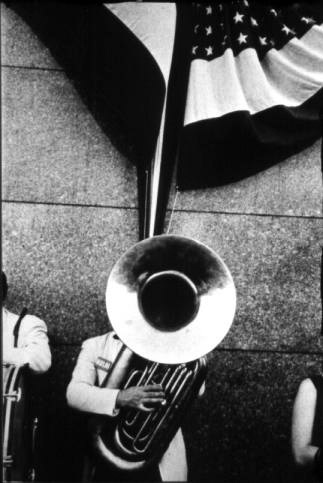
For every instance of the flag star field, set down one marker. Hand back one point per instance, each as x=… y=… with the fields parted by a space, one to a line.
x=239 y=25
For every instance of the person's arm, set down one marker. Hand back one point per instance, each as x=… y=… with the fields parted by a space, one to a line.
x=82 y=394
x=304 y=452
x=34 y=349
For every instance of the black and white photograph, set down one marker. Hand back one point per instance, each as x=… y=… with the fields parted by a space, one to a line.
x=162 y=241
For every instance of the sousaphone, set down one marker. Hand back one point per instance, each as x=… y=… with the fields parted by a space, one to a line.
x=171 y=300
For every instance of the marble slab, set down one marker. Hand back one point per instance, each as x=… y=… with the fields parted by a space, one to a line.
x=53 y=150
x=276 y=265
x=292 y=187
x=58 y=259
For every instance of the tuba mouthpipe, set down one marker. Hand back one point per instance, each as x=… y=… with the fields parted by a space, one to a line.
x=119 y=369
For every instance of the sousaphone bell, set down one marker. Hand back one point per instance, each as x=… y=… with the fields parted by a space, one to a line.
x=170 y=299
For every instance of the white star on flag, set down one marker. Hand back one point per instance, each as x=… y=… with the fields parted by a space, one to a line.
x=254 y=22
x=208 y=30
x=209 y=50
x=273 y=11
x=287 y=30
x=307 y=20
x=196 y=28
x=194 y=49
x=238 y=17
x=246 y=3
x=263 y=40
x=242 y=39
x=208 y=10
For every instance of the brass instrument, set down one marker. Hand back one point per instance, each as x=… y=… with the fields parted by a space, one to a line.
x=171 y=300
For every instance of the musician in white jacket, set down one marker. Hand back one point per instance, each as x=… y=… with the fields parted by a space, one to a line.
x=32 y=346
x=83 y=393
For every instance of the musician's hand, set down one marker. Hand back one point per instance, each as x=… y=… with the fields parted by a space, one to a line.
x=144 y=398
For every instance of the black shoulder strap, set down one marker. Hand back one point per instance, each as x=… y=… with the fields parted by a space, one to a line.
x=317 y=434
x=17 y=326
x=317 y=381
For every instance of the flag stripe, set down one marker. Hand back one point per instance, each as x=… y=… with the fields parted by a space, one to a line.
x=217 y=151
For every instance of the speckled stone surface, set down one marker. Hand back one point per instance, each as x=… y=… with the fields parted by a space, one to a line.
x=19 y=44
x=293 y=187
x=238 y=431
x=275 y=263
x=58 y=259
x=53 y=150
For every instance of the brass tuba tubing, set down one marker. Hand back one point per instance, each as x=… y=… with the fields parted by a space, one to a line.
x=179 y=377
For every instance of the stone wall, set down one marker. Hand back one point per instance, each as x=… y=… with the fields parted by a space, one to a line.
x=70 y=211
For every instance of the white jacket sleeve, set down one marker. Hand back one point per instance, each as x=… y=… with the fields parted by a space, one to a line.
x=82 y=394
x=33 y=348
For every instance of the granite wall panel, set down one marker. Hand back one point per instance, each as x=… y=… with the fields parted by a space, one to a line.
x=58 y=258
x=276 y=191
x=275 y=263
x=53 y=150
